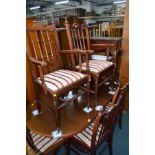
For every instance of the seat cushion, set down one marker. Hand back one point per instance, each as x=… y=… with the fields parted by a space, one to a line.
x=43 y=143
x=86 y=135
x=60 y=79
x=96 y=66
x=101 y=57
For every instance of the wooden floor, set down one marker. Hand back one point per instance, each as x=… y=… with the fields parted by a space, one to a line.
x=103 y=98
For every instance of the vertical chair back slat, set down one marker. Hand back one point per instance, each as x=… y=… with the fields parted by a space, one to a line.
x=32 y=42
x=79 y=36
x=76 y=38
x=83 y=41
x=74 y=44
x=50 y=48
x=39 y=45
x=44 y=44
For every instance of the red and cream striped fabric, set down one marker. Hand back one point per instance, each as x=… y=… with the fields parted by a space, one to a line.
x=43 y=143
x=86 y=135
x=59 y=79
x=96 y=66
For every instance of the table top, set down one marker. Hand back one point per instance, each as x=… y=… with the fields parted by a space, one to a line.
x=73 y=120
x=106 y=38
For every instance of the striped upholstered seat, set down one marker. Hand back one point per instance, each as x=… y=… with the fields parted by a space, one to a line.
x=43 y=143
x=96 y=66
x=86 y=135
x=60 y=79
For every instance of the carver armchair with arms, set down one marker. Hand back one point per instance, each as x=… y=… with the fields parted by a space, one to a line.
x=99 y=70
x=51 y=81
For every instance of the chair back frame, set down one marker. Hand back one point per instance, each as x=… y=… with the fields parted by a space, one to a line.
x=78 y=38
x=107 y=121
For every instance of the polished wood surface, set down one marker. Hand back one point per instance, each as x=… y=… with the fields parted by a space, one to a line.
x=73 y=118
x=116 y=41
x=106 y=40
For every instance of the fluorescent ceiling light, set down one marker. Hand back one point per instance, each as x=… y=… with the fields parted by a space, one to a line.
x=35 y=7
x=118 y=2
x=61 y=2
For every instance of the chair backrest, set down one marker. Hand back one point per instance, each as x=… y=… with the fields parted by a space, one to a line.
x=123 y=92
x=120 y=95
x=103 y=126
x=115 y=97
x=43 y=45
x=78 y=38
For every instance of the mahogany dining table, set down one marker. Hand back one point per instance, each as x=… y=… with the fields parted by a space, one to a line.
x=73 y=119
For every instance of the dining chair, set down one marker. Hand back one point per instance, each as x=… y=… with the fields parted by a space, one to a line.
x=100 y=71
x=43 y=145
x=51 y=80
x=121 y=93
x=98 y=132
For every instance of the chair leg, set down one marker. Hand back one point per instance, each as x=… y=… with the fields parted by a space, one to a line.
x=120 y=120
x=110 y=146
x=93 y=153
x=68 y=148
x=76 y=100
x=96 y=89
x=38 y=105
x=57 y=113
x=88 y=92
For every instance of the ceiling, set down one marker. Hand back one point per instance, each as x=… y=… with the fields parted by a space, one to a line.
x=46 y=5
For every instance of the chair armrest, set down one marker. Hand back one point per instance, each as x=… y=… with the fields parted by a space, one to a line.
x=37 y=62
x=78 y=51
